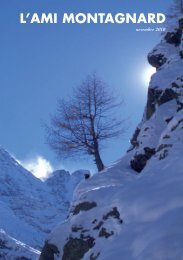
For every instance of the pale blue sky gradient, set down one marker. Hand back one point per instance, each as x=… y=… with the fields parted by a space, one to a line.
x=40 y=63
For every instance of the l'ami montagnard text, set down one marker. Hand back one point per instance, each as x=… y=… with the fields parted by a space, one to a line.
x=95 y=18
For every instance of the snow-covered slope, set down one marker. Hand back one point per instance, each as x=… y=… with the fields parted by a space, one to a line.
x=134 y=209
x=11 y=249
x=61 y=185
x=30 y=208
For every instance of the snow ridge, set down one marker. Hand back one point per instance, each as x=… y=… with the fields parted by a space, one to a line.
x=29 y=206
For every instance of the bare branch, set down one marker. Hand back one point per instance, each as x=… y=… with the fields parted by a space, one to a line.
x=81 y=124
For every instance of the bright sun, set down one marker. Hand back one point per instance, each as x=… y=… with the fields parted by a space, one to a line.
x=146 y=75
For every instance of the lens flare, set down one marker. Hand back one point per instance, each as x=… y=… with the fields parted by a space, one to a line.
x=146 y=75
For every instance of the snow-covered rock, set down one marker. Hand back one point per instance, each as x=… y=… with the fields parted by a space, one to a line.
x=121 y=214
x=29 y=207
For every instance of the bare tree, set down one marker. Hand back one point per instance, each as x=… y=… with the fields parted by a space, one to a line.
x=82 y=123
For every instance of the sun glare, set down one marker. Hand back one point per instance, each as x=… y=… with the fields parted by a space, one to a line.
x=146 y=75
x=39 y=166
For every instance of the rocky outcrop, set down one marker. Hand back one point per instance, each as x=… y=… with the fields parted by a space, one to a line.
x=134 y=140
x=104 y=233
x=139 y=161
x=174 y=37
x=156 y=59
x=48 y=252
x=158 y=97
x=83 y=206
x=167 y=95
x=80 y=241
x=76 y=248
x=181 y=24
x=163 y=149
x=152 y=99
x=161 y=54
x=114 y=213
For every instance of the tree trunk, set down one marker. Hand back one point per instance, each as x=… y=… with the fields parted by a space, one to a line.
x=98 y=161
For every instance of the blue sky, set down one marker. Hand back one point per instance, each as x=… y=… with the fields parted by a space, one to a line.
x=40 y=63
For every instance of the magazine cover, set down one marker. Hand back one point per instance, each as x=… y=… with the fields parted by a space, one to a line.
x=91 y=133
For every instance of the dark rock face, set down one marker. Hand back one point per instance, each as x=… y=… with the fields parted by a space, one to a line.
x=175 y=127
x=76 y=228
x=48 y=252
x=179 y=105
x=181 y=54
x=139 y=161
x=175 y=85
x=114 y=213
x=153 y=95
x=134 y=141
x=167 y=95
x=174 y=37
x=156 y=60
x=87 y=176
x=83 y=206
x=181 y=24
x=163 y=149
x=162 y=146
x=169 y=119
x=157 y=96
x=104 y=233
x=75 y=248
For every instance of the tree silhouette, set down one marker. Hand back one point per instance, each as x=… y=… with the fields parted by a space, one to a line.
x=85 y=121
